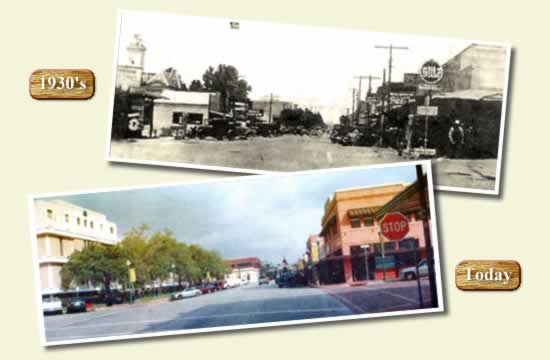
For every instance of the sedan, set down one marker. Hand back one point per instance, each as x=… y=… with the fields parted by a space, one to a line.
x=52 y=305
x=76 y=305
x=187 y=293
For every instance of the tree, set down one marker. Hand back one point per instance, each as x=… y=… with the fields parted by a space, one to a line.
x=185 y=268
x=196 y=85
x=159 y=255
x=96 y=264
x=301 y=117
x=225 y=80
x=134 y=246
x=208 y=262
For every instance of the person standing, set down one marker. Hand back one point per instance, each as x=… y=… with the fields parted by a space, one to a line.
x=456 y=139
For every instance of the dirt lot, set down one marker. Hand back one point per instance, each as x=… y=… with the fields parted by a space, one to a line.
x=292 y=153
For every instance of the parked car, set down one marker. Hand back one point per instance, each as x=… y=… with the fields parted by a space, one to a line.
x=291 y=280
x=113 y=299
x=52 y=305
x=264 y=281
x=76 y=305
x=184 y=294
x=409 y=273
x=206 y=288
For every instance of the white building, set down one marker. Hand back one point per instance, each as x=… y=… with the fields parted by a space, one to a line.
x=62 y=228
x=243 y=271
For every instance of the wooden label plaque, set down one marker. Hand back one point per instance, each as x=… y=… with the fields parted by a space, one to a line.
x=62 y=84
x=488 y=275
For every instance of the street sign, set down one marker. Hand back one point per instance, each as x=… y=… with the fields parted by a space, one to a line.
x=427 y=110
x=394 y=226
x=431 y=72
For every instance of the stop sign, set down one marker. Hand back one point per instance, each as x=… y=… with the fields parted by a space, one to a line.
x=394 y=226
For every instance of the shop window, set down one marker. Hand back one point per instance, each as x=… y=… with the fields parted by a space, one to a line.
x=369 y=221
x=388 y=246
x=355 y=222
x=408 y=243
x=49 y=212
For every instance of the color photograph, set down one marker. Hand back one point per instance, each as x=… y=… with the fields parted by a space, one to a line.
x=258 y=97
x=244 y=252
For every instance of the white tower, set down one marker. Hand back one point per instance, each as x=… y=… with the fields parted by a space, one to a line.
x=136 y=52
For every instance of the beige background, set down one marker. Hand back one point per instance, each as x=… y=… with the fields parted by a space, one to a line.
x=60 y=146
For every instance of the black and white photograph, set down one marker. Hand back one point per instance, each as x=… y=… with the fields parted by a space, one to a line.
x=319 y=246
x=257 y=97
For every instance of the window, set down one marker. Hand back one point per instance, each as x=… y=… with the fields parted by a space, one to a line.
x=408 y=243
x=78 y=221
x=85 y=223
x=369 y=221
x=49 y=212
x=66 y=218
x=91 y=224
x=112 y=230
x=84 y=213
x=355 y=222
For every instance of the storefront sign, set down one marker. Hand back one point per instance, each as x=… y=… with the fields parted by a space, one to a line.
x=427 y=110
x=431 y=72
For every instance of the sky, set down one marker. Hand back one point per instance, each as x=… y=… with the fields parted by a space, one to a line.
x=310 y=66
x=269 y=217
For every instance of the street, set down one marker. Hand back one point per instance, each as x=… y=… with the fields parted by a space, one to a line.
x=240 y=306
x=294 y=153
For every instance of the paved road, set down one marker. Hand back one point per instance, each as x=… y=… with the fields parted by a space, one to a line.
x=246 y=305
x=383 y=297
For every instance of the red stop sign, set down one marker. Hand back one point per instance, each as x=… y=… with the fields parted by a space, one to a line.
x=394 y=226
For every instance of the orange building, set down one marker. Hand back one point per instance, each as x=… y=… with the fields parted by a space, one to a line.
x=352 y=248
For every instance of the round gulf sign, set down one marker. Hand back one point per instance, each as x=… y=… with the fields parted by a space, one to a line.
x=431 y=72
x=394 y=226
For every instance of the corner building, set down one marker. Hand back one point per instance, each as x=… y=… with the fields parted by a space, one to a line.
x=61 y=229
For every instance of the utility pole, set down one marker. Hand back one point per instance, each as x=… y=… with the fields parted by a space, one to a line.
x=422 y=189
x=361 y=77
x=269 y=120
x=352 y=105
x=391 y=47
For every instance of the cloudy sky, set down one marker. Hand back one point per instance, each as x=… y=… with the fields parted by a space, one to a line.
x=269 y=217
x=311 y=66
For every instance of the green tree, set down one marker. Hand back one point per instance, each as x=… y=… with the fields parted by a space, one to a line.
x=96 y=264
x=159 y=255
x=134 y=245
x=208 y=262
x=185 y=268
x=225 y=80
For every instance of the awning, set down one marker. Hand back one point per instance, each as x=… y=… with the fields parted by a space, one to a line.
x=471 y=94
x=366 y=211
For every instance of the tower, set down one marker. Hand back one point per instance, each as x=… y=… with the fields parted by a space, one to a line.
x=136 y=52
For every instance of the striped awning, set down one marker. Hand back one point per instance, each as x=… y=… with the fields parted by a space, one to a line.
x=366 y=211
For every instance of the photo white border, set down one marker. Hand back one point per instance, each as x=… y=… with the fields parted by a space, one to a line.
x=109 y=158
x=435 y=244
